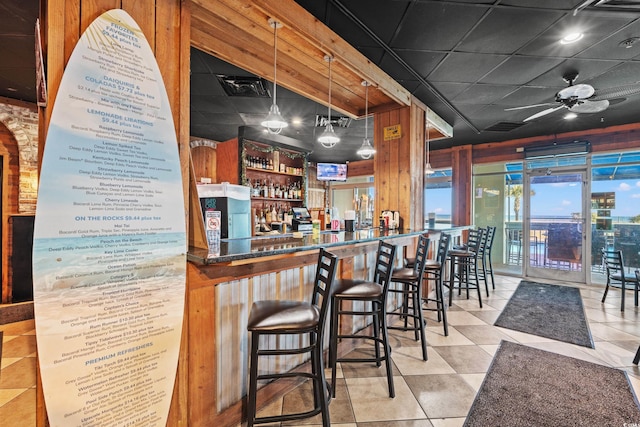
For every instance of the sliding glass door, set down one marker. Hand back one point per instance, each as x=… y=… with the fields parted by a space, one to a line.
x=554 y=229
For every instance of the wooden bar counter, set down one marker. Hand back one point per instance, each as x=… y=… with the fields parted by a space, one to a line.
x=221 y=289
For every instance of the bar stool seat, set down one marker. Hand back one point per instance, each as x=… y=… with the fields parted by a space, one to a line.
x=375 y=293
x=297 y=318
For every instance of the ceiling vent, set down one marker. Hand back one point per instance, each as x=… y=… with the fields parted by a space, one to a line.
x=505 y=126
x=556 y=150
x=248 y=87
x=336 y=121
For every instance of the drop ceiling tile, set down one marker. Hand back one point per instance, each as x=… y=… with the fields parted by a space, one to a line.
x=465 y=67
x=586 y=70
x=423 y=27
x=507 y=30
x=423 y=62
x=483 y=93
x=520 y=70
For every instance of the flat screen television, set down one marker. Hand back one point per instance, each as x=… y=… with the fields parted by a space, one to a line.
x=332 y=172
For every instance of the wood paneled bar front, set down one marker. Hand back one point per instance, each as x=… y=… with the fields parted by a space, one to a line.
x=222 y=288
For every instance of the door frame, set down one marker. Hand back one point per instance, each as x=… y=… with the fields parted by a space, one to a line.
x=534 y=272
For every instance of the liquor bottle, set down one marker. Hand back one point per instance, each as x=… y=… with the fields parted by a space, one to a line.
x=272 y=190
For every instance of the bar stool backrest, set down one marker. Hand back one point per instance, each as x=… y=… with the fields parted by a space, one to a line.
x=323 y=284
x=443 y=248
x=384 y=264
x=490 y=233
x=614 y=263
x=422 y=252
x=474 y=242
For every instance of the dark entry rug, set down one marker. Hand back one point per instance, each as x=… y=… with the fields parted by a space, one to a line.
x=549 y=311
x=529 y=387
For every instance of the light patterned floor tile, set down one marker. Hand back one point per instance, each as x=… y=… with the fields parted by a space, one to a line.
x=371 y=401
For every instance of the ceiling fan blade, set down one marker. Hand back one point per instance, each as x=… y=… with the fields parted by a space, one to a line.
x=543 y=113
x=616 y=92
x=588 y=106
x=529 y=106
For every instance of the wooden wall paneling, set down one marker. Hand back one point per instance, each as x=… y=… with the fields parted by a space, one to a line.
x=461 y=183
x=359 y=168
x=202 y=371
x=91 y=9
x=204 y=163
x=144 y=13
x=381 y=164
x=403 y=167
x=417 y=162
x=10 y=158
x=228 y=162
x=393 y=179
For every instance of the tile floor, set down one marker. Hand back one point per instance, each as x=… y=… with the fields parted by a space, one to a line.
x=436 y=393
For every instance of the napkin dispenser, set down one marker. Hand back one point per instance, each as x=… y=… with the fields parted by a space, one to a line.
x=390 y=220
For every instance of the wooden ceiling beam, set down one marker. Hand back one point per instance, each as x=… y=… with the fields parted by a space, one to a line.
x=237 y=31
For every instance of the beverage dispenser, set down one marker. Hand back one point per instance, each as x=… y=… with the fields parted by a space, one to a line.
x=234 y=204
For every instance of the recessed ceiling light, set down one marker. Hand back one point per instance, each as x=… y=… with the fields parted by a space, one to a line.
x=570 y=116
x=571 y=38
x=297 y=121
x=12 y=89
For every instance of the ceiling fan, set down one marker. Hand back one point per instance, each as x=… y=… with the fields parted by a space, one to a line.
x=581 y=98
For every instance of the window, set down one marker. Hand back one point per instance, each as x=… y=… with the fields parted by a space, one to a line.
x=437 y=196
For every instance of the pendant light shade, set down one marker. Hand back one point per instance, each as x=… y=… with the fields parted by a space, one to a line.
x=366 y=150
x=274 y=121
x=428 y=170
x=328 y=138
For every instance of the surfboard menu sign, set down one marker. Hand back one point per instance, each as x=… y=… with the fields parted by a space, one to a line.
x=109 y=250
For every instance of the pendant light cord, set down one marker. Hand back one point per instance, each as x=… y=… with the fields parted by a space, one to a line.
x=366 y=110
x=275 y=59
x=329 y=58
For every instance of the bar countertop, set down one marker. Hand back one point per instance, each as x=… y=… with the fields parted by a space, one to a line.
x=277 y=244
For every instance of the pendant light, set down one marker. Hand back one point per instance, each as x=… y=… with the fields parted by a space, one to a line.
x=366 y=149
x=428 y=170
x=328 y=138
x=274 y=121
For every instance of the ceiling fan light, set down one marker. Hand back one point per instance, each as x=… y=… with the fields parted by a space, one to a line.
x=366 y=150
x=274 y=121
x=328 y=138
x=570 y=116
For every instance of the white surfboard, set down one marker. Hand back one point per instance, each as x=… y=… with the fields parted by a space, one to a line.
x=109 y=257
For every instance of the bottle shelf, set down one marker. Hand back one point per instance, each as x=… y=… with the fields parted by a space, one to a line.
x=275 y=199
x=273 y=171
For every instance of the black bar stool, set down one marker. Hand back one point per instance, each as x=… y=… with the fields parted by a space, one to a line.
x=434 y=271
x=411 y=290
x=485 y=257
x=375 y=293
x=280 y=318
x=463 y=263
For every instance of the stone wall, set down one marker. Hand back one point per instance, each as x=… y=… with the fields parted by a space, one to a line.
x=22 y=120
